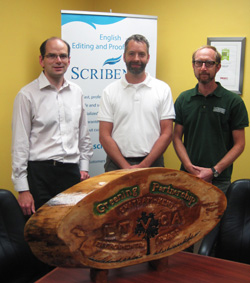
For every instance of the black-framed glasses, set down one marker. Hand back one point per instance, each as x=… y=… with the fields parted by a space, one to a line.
x=208 y=64
x=52 y=56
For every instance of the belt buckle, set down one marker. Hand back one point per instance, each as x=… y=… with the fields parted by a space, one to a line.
x=54 y=162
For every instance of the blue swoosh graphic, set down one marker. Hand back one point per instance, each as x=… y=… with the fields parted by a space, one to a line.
x=92 y=20
x=112 y=61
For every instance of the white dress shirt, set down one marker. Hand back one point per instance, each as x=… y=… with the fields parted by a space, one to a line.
x=48 y=124
x=136 y=111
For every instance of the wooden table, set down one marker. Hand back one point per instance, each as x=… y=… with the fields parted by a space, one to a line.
x=182 y=267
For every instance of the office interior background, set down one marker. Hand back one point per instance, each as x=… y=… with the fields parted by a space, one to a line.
x=183 y=26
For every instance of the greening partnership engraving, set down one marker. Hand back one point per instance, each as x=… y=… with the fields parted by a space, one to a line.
x=132 y=192
x=189 y=198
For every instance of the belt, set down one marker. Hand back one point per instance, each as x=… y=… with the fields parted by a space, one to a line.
x=53 y=162
x=135 y=159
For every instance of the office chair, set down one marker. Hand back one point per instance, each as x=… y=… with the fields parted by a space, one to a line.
x=230 y=239
x=17 y=263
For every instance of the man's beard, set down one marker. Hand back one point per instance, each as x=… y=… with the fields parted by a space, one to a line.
x=207 y=80
x=135 y=71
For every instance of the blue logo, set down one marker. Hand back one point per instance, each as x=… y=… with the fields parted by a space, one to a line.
x=112 y=61
x=94 y=74
x=97 y=146
x=92 y=20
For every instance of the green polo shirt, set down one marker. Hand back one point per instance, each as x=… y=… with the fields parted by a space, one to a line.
x=208 y=123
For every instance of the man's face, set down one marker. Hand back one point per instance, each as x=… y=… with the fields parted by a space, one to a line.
x=55 y=66
x=136 y=57
x=205 y=74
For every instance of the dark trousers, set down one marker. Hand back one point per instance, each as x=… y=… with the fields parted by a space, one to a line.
x=111 y=166
x=49 y=178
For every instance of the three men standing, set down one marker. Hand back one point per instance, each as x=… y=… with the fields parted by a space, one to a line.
x=51 y=146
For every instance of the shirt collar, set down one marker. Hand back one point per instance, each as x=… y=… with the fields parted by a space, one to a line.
x=44 y=82
x=217 y=92
x=147 y=82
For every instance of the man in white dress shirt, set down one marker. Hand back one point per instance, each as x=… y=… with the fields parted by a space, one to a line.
x=136 y=113
x=51 y=146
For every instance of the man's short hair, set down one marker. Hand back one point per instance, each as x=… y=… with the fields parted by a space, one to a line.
x=43 y=46
x=217 y=54
x=138 y=38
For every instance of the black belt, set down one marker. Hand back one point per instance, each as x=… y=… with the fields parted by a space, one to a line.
x=135 y=159
x=53 y=162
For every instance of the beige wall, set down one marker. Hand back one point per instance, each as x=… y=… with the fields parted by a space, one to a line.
x=183 y=26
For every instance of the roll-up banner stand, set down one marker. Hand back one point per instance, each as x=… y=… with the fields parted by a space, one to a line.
x=97 y=46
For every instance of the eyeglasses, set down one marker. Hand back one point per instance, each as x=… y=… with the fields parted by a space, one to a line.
x=52 y=56
x=208 y=64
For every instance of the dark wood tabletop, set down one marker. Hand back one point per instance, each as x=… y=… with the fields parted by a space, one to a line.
x=182 y=267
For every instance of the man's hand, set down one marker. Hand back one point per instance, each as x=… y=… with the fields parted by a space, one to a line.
x=136 y=166
x=84 y=175
x=205 y=174
x=26 y=202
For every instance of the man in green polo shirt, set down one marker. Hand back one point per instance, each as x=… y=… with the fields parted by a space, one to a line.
x=212 y=120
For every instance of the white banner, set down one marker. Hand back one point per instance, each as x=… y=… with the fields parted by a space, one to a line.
x=97 y=46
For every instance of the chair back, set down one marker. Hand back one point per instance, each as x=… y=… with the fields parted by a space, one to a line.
x=17 y=263
x=234 y=236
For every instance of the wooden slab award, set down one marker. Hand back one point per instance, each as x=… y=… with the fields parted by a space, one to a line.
x=124 y=217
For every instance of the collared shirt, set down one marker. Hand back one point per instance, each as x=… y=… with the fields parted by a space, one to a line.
x=136 y=111
x=48 y=124
x=208 y=123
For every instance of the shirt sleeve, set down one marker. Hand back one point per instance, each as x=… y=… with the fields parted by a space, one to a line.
x=168 y=111
x=178 y=112
x=105 y=110
x=239 y=119
x=21 y=127
x=85 y=144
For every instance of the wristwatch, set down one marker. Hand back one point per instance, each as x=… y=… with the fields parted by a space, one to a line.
x=215 y=172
